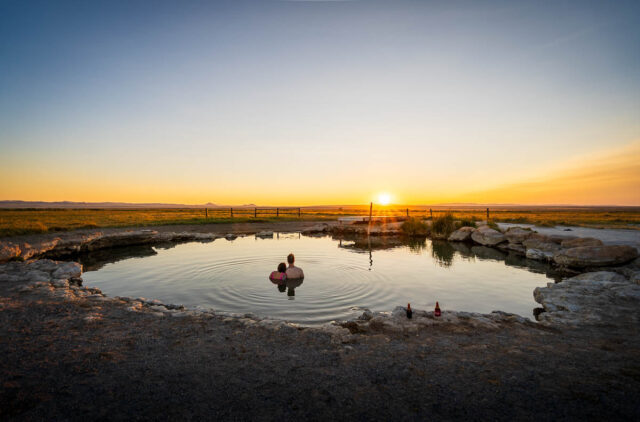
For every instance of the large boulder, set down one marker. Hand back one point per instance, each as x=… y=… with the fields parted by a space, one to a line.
x=539 y=255
x=581 y=241
x=534 y=240
x=318 y=228
x=540 y=247
x=601 y=297
x=595 y=256
x=559 y=238
x=462 y=234
x=517 y=234
x=515 y=247
x=487 y=236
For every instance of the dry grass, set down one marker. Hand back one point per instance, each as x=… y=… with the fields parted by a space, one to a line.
x=25 y=221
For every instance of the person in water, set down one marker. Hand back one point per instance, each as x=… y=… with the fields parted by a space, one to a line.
x=280 y=274
x=293 y=271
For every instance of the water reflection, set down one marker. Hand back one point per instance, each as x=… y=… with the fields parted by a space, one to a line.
x=445 y=253
x=485 y=252
x=417 y=245
x=288 y=286
x=95 y=260
x=442 y=252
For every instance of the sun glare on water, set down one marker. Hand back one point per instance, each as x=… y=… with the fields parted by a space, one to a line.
x=384 y=199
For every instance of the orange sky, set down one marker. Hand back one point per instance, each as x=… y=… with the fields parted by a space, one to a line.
x=600 y=178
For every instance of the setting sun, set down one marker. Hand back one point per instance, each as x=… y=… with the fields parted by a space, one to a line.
x=384 y=199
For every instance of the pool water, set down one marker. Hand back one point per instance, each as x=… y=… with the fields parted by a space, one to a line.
x=341 y=277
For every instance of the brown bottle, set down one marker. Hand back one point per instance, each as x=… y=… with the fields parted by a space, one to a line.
x=437 y=312
x=409 y=311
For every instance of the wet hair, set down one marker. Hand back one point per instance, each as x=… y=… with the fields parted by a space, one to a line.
x=290 y=258
x=282 y=267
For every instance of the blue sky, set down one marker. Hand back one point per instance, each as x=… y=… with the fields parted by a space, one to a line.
x=198 y=101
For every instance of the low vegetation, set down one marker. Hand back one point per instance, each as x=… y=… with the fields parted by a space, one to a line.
x=467 y=222
x=442 y=226
x=26 y=221
x=415 y=227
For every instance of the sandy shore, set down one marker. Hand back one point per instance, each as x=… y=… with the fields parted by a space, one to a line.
x=73 y=356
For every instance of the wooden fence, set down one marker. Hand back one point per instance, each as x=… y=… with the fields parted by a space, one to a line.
x=297 y=212
x=252 y=212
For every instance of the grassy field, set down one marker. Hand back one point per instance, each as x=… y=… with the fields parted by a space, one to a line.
x=26 y=221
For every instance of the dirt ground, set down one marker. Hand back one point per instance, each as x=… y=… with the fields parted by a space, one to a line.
x=57 y=364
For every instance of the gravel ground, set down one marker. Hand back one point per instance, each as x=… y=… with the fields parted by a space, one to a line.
x=123 y=365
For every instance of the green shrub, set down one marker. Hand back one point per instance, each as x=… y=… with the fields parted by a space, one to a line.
x=493 y=225
x=443 y=225
x=415 y=227
x=466 y=222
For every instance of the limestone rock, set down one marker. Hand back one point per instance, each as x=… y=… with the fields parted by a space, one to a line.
x=137 y=237
x=37 y=275
x=515 y=247
x=517 y=234
x=487 y=236
x=540 y=247
x=539 y=254
x=601 y=297
x=44 y=265
x=581 y=241
x=462 y=234
x=595 y=256
x=319 y=228
x=72 y=244
x=8 y=250
x=542 y=242
x=559 y=238
x=37 y=249
x=68 y=270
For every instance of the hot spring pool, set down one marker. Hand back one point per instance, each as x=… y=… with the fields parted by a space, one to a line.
x=341 y=277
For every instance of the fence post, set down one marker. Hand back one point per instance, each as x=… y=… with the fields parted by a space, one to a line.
x=487 y=215
x=407 y=212
x=277 y=212
x=231 y=212
x=298 y=212
x=206 y=213
x=255 y=212
x=431 y=212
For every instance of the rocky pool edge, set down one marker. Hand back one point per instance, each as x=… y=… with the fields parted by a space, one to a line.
x=600 y=297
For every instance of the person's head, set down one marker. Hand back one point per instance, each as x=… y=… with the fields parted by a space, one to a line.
x=282 y=267
x=290 y=259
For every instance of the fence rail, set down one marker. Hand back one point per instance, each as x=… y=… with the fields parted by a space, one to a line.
x=293 y=211
x=255 y=212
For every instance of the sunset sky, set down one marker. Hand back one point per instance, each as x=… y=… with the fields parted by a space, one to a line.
x=320 y=102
